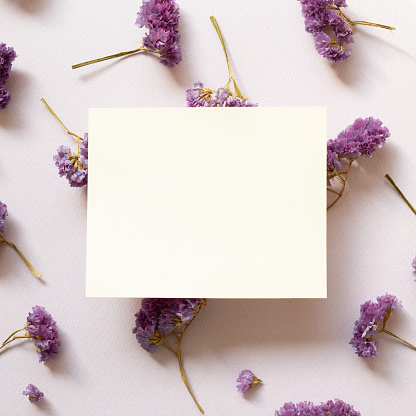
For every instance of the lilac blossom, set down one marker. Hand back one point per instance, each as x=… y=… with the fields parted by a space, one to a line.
x=4 y=97
x=34 y=394
x=329 y=49
x=41 y=328
x=330 y=408
x=414 y=267
x=3 y=215
x=7 y=56
x=246 y=379
x=373 y=318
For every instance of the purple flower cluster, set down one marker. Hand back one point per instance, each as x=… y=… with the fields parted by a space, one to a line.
x=159 y=317
x=361 y=138
x=3 y=215
x=72 y=165
x=35 y=395
x=413 y=262
x=42 y=329
x=161 y=17
x=373 y=314
x=246 y=379
x=7 y=56
x=321 y=19
x=200 y=96
x=330 y=408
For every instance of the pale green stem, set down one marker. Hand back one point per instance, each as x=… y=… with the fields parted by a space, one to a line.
x=388 y=177
x=400 y=339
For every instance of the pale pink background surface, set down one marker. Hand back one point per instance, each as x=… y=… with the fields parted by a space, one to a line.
x=299 y=348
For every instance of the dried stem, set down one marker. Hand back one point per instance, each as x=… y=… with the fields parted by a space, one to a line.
x=343 y=181
x=400 y=339
x=230 y=72
x=117 y=55
x=32 y=269
x=388 y=177
x=13 y=337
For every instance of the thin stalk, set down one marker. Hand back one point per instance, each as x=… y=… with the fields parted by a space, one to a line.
x=14 y=333
x=32 y=269
x=343 y=181
x=230 y=72
x=117 y=55
x=13 y=337
x=388 y=177
x=400 y=339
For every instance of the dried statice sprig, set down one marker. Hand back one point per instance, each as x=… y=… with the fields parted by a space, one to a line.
x=330 y=408
x=73 y=166
x=200 y=96
x=164 y=322
x=41 y=329
x=331 y=27
x=7 y=56
x=33 y=393
x=373 y=319
x=388 y=177
x=362 y=138
x=414 y=267
x=246 y=380
x=3 y=214
x=161 y=18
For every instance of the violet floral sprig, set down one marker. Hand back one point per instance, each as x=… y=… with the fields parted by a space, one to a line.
x=3 y=214
x=331 y=27
x=373 y=319
x=41 y=329
x=330 y=408
x=33 y=393
x=360 y=139
x=7 y=56
x=161 y=18
x=164 y=322
x=201 y=96
x=414 y=267
x=73 y=166
x=246 y=380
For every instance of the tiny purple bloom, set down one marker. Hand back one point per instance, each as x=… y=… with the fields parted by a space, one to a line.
x=4 y=97
x=35 y=395
x=330 y=49
x=246 y=379
x=414 y=267
x=3 y=215
x=330 y=408
x=7 y=56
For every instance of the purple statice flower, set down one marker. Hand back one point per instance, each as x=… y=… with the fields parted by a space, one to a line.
x=373 y=317
x=35 y=395
x=42 y=330
x=7 y=56
x=73 y=166
x=161 y=18
x=414 y=267
x=246 y=379
x=330 y=408
x=341 y=29
x=4 y=97
x=3 y=215
x=200 y=96
x=338 y=408
x=159 y=317
x=330 y=49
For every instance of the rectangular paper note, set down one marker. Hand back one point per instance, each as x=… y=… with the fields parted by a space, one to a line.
x=207 y=202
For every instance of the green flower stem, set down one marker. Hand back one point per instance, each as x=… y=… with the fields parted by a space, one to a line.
x=32 y=269
x=117 y=55
x=400 y=339
x=388 y=177
x=230 y=72
x=13 y=337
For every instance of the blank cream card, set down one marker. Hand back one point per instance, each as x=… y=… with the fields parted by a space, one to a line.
x=207 y=202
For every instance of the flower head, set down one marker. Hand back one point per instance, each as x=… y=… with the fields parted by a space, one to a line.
x=4 y=97
x=329 y=49
x=42 y=330
x=3 y=215
x=246 y=379
x=7 y=56
x=414 y=267
x=373 y=318
x=161 y=17
x=330 y=408
x=338 y=408
x=35 y=395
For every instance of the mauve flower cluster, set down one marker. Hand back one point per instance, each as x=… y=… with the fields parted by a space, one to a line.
x=413 y=265
x=72 y=165
x=246 y=379
x=7 y=56
x=3 y=215
x=372 y=315
x=361 y=138
x=330 y=408
x=159 y=317
x=161 y=17
x=200 y=96
x=42 y=329
x=35 y=395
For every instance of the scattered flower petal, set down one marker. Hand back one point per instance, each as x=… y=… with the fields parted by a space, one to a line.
x=35 y=395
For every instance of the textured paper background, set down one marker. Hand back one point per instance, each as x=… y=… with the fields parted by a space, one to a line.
x=207 y=203
x=299 y=348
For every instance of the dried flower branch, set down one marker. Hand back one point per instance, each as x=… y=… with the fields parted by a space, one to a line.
x=246 y=380
x=161 y=18
x=40 y=328
x=160 y=321
x=330 y=408
x=362 y=138
x=200 y=96
x=74 y=166
x=3 y=241
x=373 y=319
x=33 y=393
x=331 y=27
x=7 y=56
